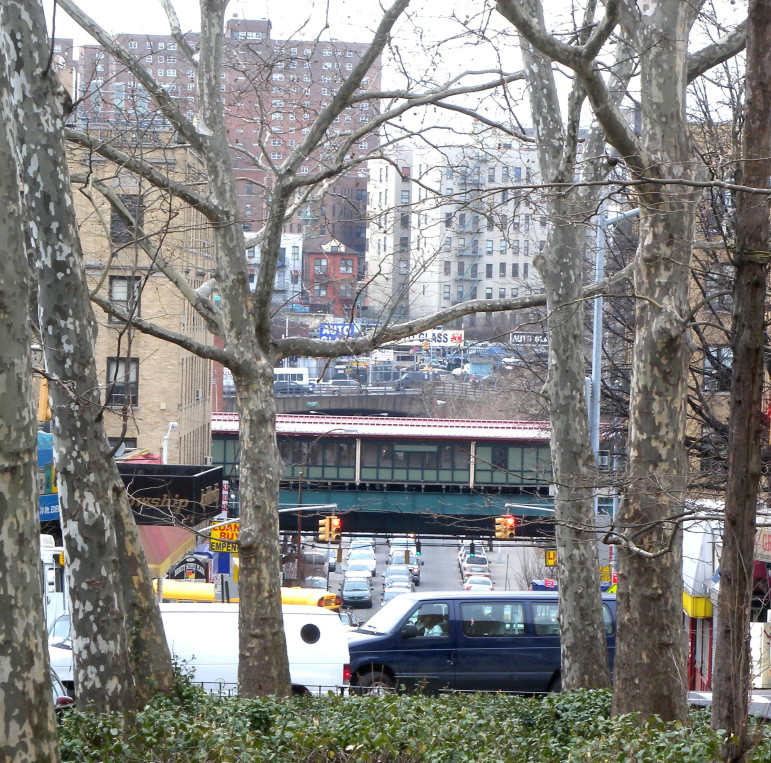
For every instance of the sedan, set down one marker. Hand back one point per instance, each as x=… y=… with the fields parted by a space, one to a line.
x=475 y=570
x=478 y=583
x=356 y=593
x=360 y=565
x=363 y=556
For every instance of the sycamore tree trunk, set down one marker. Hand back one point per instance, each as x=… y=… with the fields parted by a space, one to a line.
x=731 y=680
x=120 y=652
x=27 y=722
x=584 y=658
x=650 y=655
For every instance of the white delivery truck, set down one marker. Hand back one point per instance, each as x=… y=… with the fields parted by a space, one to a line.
x=205 y=636
x=54 y=584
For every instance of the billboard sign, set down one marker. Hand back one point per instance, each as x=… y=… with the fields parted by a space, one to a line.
x=522 y=337
x=331 y=332
x=436 y=338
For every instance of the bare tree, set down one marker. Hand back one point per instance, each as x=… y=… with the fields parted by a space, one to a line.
x=121 y=655
x=649 y=667
x=27 y=723
x=732 y=650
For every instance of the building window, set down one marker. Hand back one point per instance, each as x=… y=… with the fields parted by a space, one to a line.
x=346 y=267
x=132 y=45
x=501 y=293
x=402 y=268
x=517 y=174
x=489 y=270
x=515 y=292
x=461 y=221
x=503 y=246
x=489 y=246
x=171 y=72
x=446 y=290
x=319 y=290
x=405 y=197
x=448 y=219
x=491 y=174
x=459 y=293
x=461 y=268
x=122 y=381
x=320 y=266
x=515 y=270
x=515 y=247
x=119 y=233
x=124 y=294
x=527 y=248
x=473 y=271
x=717 y=369
x=525 y=270
x=489 y=292
x=448 y=244
x=502 y=270
x=504 y=174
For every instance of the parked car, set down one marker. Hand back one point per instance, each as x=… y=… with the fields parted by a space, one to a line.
x=281 y=388
x=314 y=563
x=356 y=592
x=332 y=559
x=61 y=697
x=499 y=641
x=478 y=583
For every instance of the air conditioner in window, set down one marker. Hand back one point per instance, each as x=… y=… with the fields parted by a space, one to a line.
x=207 y=460
x=198 y=394
x=603 y=459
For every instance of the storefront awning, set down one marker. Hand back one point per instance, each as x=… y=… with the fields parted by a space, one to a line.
x=164 y=546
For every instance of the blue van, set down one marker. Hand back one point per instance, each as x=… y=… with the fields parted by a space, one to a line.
x=485 y=641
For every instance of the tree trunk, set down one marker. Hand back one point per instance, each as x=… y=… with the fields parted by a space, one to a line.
x=27 y=723
x=263 y=666
x=106 y=618
x=731 y=681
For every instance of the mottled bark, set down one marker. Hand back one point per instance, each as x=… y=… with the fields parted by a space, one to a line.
x=584 y=658
x=650 y=656
x=731 y=679
x=113 y=607
x=27 y=723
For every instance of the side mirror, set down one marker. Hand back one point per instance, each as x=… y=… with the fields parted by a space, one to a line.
x=409 y=630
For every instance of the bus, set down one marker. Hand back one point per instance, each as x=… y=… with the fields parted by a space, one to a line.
x=298 y=375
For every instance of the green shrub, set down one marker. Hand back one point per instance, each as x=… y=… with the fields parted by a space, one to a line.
x=452 y=728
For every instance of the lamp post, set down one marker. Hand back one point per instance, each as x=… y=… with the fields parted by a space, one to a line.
x=300 y=478
x=165 y=449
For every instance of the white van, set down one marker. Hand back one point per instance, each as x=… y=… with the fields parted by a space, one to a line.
x=205 y=636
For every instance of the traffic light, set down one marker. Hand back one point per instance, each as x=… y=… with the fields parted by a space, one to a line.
x=417 y=548
x=324 y=528
x=334 y=529
x=505 y=527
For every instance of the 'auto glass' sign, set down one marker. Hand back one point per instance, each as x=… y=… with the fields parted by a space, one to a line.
x=163 y=494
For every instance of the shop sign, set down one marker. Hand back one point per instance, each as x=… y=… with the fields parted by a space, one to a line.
x=763 y=544
x=190 y=568
x=224 y=538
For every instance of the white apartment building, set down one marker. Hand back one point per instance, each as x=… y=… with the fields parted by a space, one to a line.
x=288 y=282
x=449 y=225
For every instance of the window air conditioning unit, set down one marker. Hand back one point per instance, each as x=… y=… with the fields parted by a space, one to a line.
x=603 y=459
x=198 y=394
x=207 y=460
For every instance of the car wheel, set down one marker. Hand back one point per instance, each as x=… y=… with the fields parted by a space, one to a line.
x=376 y=683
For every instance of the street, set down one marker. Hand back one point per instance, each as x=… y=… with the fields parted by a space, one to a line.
x=509 y=563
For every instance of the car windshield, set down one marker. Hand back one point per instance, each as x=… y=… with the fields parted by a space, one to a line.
x=59 y=633
x=358 y=565
x=398 y=572
x=389 y=616
x=355 y=585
